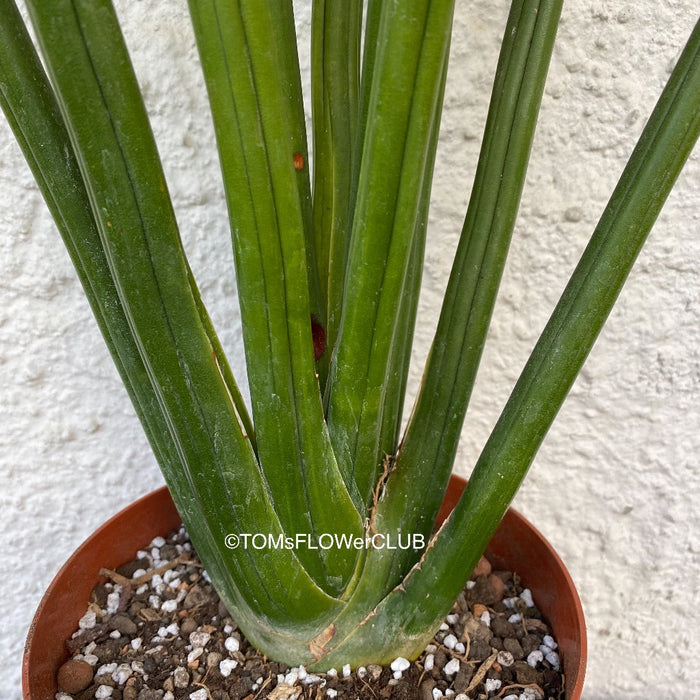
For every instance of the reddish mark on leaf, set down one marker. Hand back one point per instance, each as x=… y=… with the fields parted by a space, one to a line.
x=298 y=161
x=319 y=337
x=317 y=646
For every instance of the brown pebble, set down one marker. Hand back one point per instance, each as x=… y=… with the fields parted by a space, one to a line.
x=525 y=673
x=501 y=627
x=99 y=595
x=425 y=689
x=132 y=566
x=214 y=659
x=197 y=595
x=136 y=607
x=123 y=624
x=188 y=625
x=168 y=552
x=105 y=679
x=497 y=586
x=463 y=677
x=108 y=650
x=485 y=591
x=476 y=629
x=513 y=646
x=479 y=650
x=75 y=675
x=530 y=643
x=483 y=568
x=479 y=610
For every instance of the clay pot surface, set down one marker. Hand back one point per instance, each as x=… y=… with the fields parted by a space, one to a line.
x=516 y=546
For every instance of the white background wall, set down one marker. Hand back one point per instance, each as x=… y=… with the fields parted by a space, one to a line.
x=616 y=486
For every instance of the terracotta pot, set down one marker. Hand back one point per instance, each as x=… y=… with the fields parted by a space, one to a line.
x=516 y=546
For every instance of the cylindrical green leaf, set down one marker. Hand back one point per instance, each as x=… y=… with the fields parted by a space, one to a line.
x=399 y=140
x=216 y=484
x=243 y=45
x=414 y=492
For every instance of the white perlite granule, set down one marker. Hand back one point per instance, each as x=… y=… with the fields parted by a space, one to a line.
x=226 y=667
x=400 y=664
x=198 y=638
x=88 y=620
x=232 y=644
x=451 y=667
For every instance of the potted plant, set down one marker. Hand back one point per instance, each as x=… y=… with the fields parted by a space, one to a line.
x=328 y=287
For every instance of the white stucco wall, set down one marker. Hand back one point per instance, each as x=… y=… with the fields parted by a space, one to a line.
x=616 y=486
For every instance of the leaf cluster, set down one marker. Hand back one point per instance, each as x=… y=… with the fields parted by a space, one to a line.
x=328 y=265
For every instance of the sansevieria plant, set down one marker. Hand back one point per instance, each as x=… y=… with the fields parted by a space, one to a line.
x=287 y=504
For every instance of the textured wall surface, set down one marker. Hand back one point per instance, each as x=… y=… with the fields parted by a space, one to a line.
x=616 y=486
